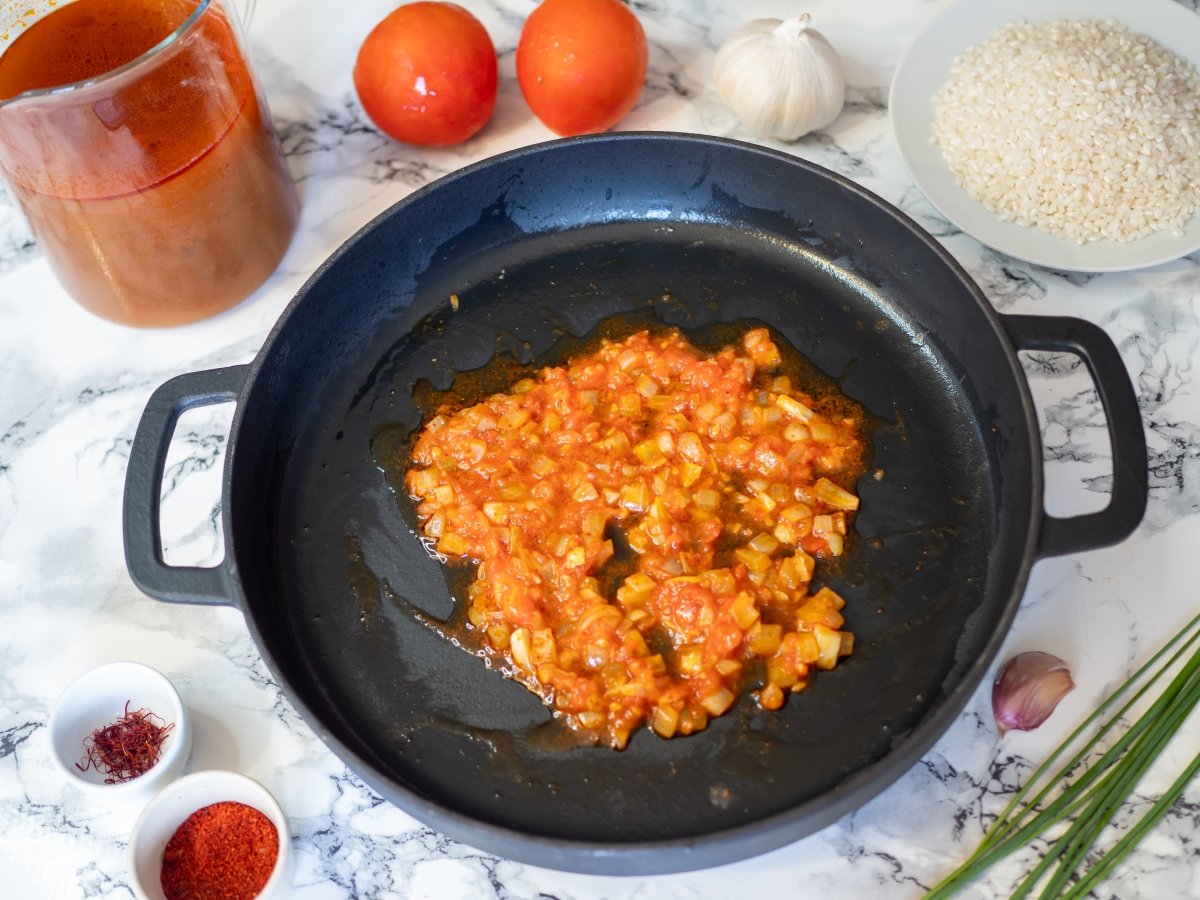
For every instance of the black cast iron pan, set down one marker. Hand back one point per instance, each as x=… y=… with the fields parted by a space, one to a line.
x=540 y=245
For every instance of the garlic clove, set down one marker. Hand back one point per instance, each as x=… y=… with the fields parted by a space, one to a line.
x=1028 y=689
x=782 y=78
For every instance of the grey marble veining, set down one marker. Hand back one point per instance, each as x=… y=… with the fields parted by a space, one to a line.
x=72 y=389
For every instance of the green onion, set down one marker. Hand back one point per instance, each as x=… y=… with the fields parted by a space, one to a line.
x=1090 y=794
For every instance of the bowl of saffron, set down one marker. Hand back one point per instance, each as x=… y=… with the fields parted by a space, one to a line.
x=120 y=731
x=211 y=834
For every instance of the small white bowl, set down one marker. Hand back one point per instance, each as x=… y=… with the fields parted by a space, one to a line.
x=97 y=698
x=168 y=810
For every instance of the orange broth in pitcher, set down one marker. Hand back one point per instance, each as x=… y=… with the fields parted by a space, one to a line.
x=159 y=195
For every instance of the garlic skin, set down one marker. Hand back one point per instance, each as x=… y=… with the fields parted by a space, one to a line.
x=780 y=77
x=1028 y=689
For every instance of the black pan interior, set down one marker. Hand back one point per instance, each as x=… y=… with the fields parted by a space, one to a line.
x=539 y=248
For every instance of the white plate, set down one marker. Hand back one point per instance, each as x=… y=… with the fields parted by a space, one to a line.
x=926 y=67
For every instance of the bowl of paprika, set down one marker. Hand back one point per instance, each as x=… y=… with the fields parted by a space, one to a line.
x=211 y=834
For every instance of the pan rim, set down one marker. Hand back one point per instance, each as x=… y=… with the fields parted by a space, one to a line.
x=718 y=847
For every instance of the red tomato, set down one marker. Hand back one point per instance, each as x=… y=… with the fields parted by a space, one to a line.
x=581 y=63
x=427 y=74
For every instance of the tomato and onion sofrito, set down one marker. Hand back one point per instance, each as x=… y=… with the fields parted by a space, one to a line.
x=426 y=74
x=728 y=484
x=581 y=63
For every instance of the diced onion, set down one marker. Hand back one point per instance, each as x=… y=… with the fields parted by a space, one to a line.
x=795 y=433
x=728 y=667
x=665 y=720
x=585 y=493
x=496 y=512
x=834 y=496
x=829 y=643
x=717 y=702
x=520 y=647
x=649 y=453
x=766 y=640
x=796 y=513
x=795 y=408
x=825 y=434
x=590 y=719
x=770 y=697
x=744 y=610
x=646 y=387
x=764 y=543
x=754 y=560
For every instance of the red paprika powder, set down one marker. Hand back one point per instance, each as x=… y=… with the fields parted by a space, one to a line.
x=225 y=851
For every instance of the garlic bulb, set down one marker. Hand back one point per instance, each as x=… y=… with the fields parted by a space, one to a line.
x=781 y=78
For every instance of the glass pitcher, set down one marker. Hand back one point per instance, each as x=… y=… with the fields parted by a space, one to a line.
x=151 y=176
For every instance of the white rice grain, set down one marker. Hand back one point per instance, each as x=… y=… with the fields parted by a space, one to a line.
x=1080 y=128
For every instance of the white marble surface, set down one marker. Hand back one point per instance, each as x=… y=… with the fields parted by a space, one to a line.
x=72 y=389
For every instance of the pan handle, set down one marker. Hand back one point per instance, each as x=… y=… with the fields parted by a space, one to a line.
x=1130 y=484
x=143 y=489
